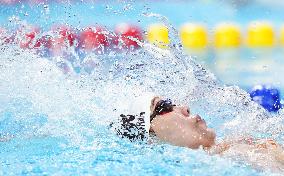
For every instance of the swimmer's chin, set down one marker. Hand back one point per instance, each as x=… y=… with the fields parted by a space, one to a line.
x=211 y=137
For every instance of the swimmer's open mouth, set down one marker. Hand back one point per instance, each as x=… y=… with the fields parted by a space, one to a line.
x=199 y=120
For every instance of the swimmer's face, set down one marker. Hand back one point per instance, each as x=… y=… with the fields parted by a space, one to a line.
x=180 y=128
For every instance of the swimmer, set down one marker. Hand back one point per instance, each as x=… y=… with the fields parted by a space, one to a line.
x=152 y=115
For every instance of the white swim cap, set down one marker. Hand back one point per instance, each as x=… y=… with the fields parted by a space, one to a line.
x=135 y=124
x=142 y=104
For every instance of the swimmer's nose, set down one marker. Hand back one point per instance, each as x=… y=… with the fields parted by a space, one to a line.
x=185 y=111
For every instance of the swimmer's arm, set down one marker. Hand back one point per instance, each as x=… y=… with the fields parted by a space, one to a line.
x=227 y=143
x=273 y=148
x=270 y=146
x=278 y=154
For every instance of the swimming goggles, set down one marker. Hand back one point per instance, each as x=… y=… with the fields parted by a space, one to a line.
x=162 y=107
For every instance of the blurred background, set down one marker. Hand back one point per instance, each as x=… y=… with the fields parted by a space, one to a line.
x=240 y=41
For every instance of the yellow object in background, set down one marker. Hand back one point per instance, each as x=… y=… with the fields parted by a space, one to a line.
x=260 y=34
x=282 y=35
x=193 y=36
x=227 y=36
x=158 y=34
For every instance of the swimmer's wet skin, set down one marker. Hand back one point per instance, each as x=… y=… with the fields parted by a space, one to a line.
x=176 y=125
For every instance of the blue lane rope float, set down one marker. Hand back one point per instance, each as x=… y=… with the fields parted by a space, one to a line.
x=267 y=96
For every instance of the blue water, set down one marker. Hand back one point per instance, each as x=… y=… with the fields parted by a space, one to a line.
x=102 y=153
x=53 y=123
x=80 y=14
x=46 y=156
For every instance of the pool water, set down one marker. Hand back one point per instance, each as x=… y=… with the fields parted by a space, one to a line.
x=48 y=156
x=52 y=123
x=58 y=124
x=84 y=13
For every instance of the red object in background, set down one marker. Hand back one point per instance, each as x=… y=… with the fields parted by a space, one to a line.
x=94 y=39
x=63 y=38
x=129 y=35
x=29 y=37
x=44 y=41
x=66 y=34
x=26 y=36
